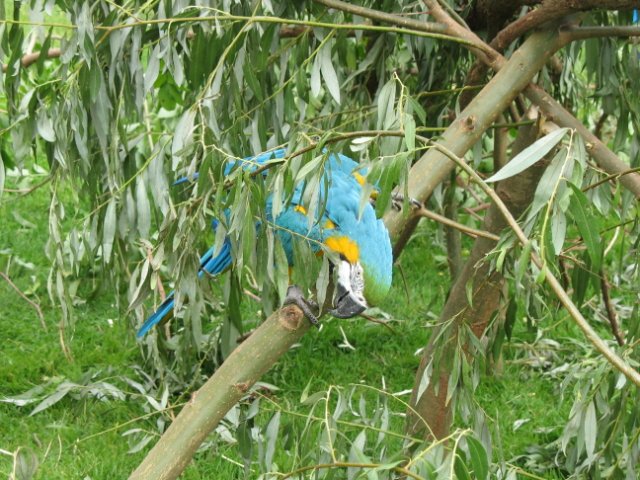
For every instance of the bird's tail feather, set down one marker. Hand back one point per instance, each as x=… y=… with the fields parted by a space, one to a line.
x=163 y=310
x=210 y=264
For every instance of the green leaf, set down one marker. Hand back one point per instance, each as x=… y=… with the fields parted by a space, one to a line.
x=143 y=209
x=558 y=230
x=523 y=262
x=590 y=429
x=386 y=101
x=479 y=459
x=315 y=77
x=271 y=437
x=588 y=226
x=2 y=175
x=409 y=132
x=462 y=473
x=109 y=230
x=529 y=155
x=328 y=72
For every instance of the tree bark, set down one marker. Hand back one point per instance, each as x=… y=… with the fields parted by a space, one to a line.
x=255 y=356
x=431 y=414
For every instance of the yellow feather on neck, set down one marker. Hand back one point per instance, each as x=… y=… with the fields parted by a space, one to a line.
x=345 y=247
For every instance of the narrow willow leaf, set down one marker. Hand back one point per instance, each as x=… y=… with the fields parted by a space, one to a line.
x=315 y=77
x=152 y=70
x=479 y=459
x=386 y=100
x=454 y=377
x=2 y=175
x=529 y=155
x=322 y=283
x=182 y=135
x=425 y=380
x=309 y=167
x=588 y=226
x=409 y=132
x=462 y=473
x=45 y=127
x=523 y=262
x=271 y=436
x=63 y=389
x=590 y=429
x=109 y=230
x=143 y=209
x=547 y=183
x=558 y=230
x=329 y=73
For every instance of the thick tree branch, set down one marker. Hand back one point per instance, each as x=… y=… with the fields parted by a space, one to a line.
x=551 y=10
x=248 y=362
x=464 y=132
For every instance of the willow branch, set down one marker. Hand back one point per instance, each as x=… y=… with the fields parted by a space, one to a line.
x=383 y=16
x=322 y=466
x=107 y=29
x=570 y=34
x=479 y=47
x=611 y=177
x=472 y=232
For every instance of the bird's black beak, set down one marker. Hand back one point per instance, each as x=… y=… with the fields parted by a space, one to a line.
x=348 y=301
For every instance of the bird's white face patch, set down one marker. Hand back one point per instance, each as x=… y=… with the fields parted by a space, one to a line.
x=351 y=276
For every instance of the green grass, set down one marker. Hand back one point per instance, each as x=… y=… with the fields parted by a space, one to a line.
x=83 y=438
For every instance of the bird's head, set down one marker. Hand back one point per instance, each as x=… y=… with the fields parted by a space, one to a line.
x=362 y=275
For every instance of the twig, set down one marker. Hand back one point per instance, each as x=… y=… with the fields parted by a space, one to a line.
x=320 y=466
x=383 y=16
x=472 y=232
x=614 y=176
x=571 y=33
x=611 y=311
x=371 y=319
x=27 y=191
x=30 y=302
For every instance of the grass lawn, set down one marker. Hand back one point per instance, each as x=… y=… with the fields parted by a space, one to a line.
x=82 y=438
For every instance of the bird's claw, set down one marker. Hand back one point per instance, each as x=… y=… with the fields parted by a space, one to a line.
x=397 y=200
x=295 y=297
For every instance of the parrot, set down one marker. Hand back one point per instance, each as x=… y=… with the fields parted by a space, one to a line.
x=363 y=259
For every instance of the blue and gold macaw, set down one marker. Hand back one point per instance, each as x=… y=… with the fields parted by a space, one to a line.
x=362 y=275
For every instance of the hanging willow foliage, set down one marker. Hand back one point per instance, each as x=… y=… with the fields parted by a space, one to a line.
x=120 y=101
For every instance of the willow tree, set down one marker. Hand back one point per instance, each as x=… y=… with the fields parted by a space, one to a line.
x=432 y=97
